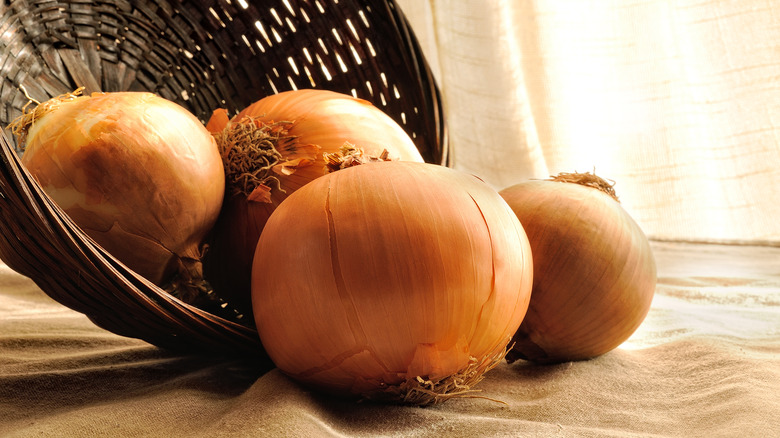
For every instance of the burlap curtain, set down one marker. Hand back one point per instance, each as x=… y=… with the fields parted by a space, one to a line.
x=677 y=101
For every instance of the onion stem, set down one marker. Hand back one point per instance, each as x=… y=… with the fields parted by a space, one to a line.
x=588 y=179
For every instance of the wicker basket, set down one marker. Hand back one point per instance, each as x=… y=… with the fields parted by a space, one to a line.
x=203 y=54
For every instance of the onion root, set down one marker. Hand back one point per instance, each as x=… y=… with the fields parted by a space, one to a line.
x=420 y=391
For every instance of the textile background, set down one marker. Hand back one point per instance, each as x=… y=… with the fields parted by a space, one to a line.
x=677 y=101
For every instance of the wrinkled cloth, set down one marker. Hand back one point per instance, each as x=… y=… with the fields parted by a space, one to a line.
x=675 y=101
x=705 y=363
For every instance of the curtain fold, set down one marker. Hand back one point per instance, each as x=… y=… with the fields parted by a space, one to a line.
x=678 y=102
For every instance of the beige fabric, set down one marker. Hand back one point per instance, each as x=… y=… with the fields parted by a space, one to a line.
x=706 y=363
x=676 y=101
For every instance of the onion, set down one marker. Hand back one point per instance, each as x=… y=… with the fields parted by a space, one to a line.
x=271 y=149
x=594 y=272
x=137 y=173
x=393 y=280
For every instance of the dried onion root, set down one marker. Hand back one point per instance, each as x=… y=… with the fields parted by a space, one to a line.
x=419 y=391
x=250 y=153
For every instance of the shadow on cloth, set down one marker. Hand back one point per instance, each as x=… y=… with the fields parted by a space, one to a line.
x=62 y=382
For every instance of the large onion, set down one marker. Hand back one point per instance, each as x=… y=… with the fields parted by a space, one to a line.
x=139 y=174
x=272 y=148
x=395 y=280
x=594 y=272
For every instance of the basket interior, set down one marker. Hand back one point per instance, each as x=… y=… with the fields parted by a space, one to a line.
x=209 y=54
x=204 y=55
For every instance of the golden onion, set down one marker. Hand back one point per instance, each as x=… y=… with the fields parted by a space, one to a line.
x=392 y=280
x=139 y=174
x=271 y=149
x=594 y=272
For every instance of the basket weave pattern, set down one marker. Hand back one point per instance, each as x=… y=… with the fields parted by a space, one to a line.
x=204 y=55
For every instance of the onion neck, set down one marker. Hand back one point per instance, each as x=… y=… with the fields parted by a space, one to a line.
x=526 y=349
x=189 y=286
x=588 y=179
x=190 y=275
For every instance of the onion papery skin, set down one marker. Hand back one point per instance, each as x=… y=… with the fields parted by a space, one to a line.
x=316 y=122
x=371 y=276
x=139 y=174
x=594 y=272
